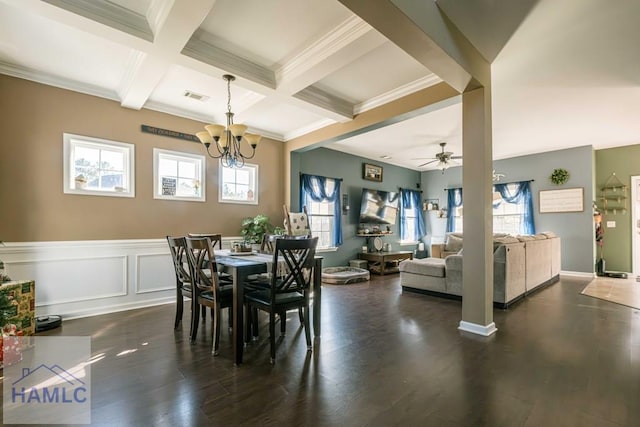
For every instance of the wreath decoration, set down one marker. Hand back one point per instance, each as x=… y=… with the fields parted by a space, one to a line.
x=559 y=176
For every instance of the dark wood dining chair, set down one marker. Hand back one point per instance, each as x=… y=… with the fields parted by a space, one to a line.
x=216 y=242
x=207 y=290
x=184 y=284
x=291 y=275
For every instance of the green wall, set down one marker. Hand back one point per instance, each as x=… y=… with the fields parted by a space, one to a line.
x=335 y=164
x=625 y=163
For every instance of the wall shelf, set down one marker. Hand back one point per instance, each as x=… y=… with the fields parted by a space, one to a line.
x=613 y=196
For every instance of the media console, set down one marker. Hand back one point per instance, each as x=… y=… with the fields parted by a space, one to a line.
x=384 y=262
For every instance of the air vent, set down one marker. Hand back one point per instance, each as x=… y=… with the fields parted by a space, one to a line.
x=196 y=96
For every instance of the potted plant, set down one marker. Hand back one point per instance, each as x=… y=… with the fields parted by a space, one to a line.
x=254 y=228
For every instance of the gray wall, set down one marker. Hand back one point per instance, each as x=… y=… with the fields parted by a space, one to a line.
x=575 y=229
x=335 y=164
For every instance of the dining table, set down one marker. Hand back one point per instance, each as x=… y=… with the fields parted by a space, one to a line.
x=242 y=265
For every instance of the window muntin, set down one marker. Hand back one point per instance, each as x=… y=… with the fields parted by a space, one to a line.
x=507 y=217
x=238 y=185
x=94 y=166
x=178 y=176
x=321 y=220
x=410 y=230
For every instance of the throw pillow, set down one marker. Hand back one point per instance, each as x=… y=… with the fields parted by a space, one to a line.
x=453 y=243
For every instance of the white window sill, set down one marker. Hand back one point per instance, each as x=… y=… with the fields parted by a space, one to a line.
x=329 y=249
x=408 y=242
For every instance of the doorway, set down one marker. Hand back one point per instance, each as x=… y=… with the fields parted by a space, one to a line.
x=635 y=224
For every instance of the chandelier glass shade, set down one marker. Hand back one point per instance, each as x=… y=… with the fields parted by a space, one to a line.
x=227 y=140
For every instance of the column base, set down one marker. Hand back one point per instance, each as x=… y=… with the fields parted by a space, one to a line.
x=474 y=328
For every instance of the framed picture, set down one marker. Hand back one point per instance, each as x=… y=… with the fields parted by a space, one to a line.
x=371 y=172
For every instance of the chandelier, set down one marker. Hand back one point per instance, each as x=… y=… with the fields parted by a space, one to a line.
x=227 y=139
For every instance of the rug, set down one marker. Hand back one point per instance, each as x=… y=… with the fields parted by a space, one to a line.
x=619 y=291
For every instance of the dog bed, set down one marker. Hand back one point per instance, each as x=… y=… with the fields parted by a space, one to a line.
x=344 y=275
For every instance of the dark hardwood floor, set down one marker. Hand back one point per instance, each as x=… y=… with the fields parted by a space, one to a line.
x=385 y=358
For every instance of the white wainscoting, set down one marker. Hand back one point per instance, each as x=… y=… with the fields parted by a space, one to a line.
x=91 y=277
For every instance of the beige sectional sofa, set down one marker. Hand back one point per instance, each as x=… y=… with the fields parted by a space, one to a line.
x=521 y=264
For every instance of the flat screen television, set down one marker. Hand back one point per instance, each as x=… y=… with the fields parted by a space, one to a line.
x=379 y=207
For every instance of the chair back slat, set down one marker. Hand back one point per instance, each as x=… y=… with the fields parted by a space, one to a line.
x=216 y=238
x=177 y=247
x=298 y=256
x=201 y=258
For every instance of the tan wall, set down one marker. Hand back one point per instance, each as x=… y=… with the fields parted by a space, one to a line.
x=33 y=207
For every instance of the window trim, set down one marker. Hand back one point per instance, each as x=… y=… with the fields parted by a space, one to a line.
x=256 y=191
x=157 y=152
x=69 y=145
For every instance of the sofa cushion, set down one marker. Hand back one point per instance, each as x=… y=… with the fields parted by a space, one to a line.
x=540 y=236
x=453 y=243
x=549 y=234
x=525 y=238
x=434 y=267
x=505 y=239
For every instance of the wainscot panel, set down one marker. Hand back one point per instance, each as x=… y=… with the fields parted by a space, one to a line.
x=86 y=278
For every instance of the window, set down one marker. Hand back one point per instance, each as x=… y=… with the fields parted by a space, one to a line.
x=512 y=209
x=321 y=196
x=94 y=166
x=507 y=217
x=238 y=185
x=321 y=222
x=411 y=219
x=178 y=176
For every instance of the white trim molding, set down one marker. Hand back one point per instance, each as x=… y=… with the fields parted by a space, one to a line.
x=474 y=328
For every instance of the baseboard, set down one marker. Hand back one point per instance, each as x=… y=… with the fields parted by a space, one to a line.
x=117 y=308
x=500 y=305
x=578 y=274
x=474 y=328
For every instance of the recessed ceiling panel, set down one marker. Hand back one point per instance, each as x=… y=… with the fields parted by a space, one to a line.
x=379 y=71
x=279 y=118
x=171 y=89
x=267 y=32
x=37 y=44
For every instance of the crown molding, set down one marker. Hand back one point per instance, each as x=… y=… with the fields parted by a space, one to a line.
x=157 y=14
x=335 y=40
x=320 y=98
x=223 y=60
x=397 y=93
x=187 y=114
x=109 y=14
x=309 y=128
x=60 y=82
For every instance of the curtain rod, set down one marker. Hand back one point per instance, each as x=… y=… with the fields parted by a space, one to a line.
x=400 y=188
x=512 y=182
x=328 y=177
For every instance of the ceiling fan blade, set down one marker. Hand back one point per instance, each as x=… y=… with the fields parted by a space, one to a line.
x=425 y=164
x=455 y=157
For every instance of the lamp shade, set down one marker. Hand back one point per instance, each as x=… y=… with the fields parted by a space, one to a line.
x=204 y=137
x=237 y=130
x=215 y=131
x=252 y=139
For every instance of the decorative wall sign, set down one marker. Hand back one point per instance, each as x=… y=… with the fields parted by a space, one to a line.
x=169 y=133
x=168 y=186
x=555 y=201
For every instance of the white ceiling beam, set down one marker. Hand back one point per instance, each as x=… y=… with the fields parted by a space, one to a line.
x=172 y=34
x=424 y=32
x=348 y=41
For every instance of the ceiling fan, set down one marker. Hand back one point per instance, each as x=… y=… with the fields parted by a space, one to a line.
x=443 y=158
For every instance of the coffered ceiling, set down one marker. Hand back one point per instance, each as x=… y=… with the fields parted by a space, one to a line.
x=564 y=74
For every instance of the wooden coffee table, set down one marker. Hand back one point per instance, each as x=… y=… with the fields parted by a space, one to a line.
x=384 y=262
